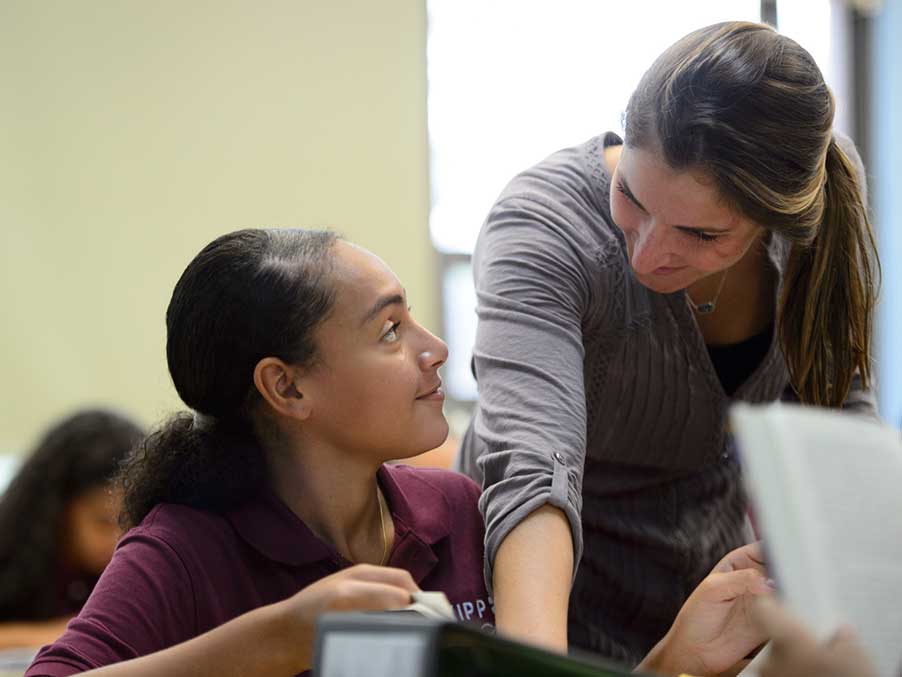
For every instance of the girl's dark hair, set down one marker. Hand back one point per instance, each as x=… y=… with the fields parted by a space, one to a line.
x=750 y=108
x=247 y=295
x=78 y=454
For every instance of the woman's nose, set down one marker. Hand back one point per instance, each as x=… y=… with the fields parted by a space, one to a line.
x=649 y=250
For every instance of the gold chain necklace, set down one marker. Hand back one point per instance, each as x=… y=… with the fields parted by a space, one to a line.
x=382 y=526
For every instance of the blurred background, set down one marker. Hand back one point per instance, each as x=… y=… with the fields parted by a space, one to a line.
x=132 y=133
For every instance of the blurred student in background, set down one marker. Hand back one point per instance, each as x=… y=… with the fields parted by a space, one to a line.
x=58 y=525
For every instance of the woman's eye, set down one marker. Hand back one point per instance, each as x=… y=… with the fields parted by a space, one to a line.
x=392 y=334
x=703 y=237
x=625 y=193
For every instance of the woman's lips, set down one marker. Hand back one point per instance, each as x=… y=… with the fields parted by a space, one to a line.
x=667 y=270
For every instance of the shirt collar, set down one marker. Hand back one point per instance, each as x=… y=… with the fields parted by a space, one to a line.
x=270 y=527
x=415 y=501
x=419 y=510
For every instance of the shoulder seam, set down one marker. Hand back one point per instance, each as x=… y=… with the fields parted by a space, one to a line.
x=147 y=533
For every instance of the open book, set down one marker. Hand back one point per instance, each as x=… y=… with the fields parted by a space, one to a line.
x=826 y=487
x=405 y=644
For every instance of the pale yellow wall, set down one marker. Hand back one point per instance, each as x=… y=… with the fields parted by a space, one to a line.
x=132 y=133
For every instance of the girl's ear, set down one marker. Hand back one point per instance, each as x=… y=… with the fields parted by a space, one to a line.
x=279 y=384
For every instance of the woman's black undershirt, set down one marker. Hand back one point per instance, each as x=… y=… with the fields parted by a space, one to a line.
x=734 y=363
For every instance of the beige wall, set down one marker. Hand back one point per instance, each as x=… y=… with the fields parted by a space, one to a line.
x=132 y=133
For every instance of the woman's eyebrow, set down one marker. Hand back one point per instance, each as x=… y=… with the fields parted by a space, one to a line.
x=382 y=304
x=694 y=229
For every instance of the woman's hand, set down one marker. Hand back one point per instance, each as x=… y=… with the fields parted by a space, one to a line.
x=795 y=653
x=363 y=587
x=714 y=629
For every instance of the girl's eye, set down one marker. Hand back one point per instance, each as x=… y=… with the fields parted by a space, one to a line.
x=392 y=334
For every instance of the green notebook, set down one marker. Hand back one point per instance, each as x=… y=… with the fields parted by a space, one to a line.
x=399 y=644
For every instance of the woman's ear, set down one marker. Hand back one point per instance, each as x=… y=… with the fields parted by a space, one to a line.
x=279 y=384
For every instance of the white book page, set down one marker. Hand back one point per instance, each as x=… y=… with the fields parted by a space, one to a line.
x=835 y=535
x=778 y=486
x=856 y=482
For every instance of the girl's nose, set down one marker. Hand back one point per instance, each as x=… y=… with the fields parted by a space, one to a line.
x=434 y=355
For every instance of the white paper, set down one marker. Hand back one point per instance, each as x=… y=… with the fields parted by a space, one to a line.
x=827 y=489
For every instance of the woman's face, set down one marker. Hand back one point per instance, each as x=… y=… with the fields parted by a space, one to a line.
x=375 y=386
x=677 y=228
x=91 y=529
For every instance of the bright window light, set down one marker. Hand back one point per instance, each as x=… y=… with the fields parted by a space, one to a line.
x=820 y=26
x=512 y=81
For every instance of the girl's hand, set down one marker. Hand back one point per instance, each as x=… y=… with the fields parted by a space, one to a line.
x=276 y=639
x=795 y=653
x=714 y=629
x=363 y=587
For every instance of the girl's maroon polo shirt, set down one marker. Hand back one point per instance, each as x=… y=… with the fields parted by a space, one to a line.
x=184 y=571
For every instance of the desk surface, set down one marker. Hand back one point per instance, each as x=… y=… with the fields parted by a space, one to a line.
x=13 y=662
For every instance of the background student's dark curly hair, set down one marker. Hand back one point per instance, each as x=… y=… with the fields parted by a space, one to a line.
x=47 y=562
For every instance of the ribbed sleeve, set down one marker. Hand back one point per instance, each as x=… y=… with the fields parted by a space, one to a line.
x=531 y=426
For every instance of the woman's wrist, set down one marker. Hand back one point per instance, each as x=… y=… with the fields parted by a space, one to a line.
x=665 y=659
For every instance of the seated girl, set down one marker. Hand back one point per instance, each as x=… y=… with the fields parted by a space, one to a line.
x=306 y=373
x=58 y=525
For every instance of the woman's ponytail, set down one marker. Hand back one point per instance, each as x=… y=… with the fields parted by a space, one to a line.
x=826 y=310
x=750 y=107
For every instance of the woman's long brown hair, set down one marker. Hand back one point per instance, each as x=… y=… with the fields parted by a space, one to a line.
x=750 y=108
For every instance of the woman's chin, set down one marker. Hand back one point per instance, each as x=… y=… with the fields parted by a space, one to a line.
x=662 y=284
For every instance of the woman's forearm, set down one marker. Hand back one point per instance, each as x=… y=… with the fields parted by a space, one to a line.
x=532 y=575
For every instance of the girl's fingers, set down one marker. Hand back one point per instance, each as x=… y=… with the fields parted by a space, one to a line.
x=361 y=595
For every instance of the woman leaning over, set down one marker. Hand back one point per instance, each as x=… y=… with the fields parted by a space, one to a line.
x=628 y=292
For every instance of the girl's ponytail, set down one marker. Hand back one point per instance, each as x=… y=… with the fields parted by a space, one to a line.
x=247 y=295
x=192 y=460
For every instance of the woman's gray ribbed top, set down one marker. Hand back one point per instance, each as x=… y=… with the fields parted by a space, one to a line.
x=598 y=396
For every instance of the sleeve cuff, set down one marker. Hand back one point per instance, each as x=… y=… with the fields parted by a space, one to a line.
x=551 y=485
